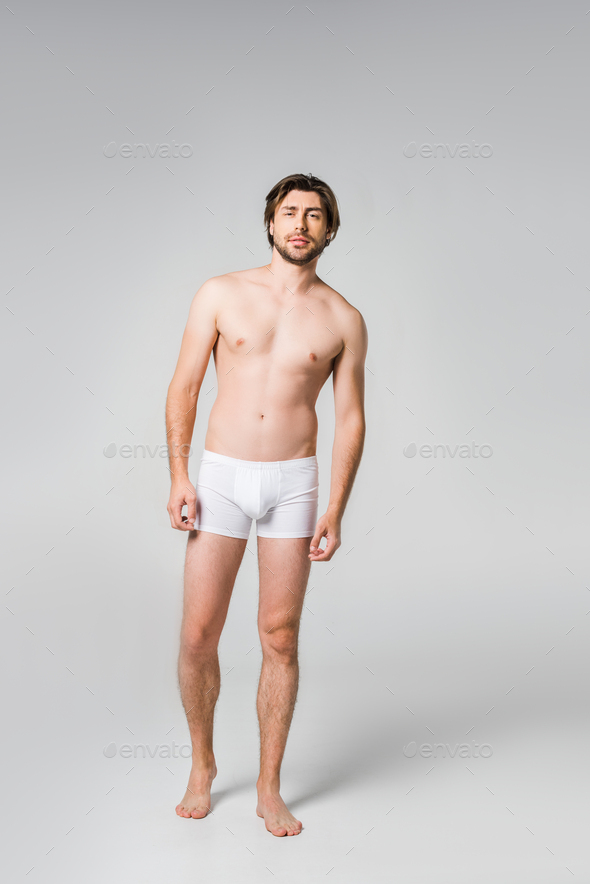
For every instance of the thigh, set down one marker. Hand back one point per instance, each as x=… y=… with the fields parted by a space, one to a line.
x=211 y=566
x=284 y=567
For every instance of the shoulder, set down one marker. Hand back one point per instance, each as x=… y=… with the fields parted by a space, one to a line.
x=227 y=283
x=238 y=277
x=350 y=318
x=213 y=292
x=215 y=285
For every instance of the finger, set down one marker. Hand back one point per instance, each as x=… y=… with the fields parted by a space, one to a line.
x=327 y=553
x=317 y=555
x=172 y=516
x=315 y=544
x=188 y=499
x=315 y=540
x=179 y=519
x=185 y=524
x=191 y=512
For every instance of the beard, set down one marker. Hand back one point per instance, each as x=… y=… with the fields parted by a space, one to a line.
x=295 y=255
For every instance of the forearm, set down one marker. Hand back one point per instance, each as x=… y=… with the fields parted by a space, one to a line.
x=181 y=409
x=347 y=451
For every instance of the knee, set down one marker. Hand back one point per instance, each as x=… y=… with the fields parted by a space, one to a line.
x=198 y=641
x=280 y=642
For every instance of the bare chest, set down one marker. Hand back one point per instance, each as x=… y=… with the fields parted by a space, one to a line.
x=301 y=336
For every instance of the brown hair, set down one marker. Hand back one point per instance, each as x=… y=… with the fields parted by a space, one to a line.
x=307 y=183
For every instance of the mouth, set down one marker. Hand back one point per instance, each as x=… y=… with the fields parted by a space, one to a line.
x=298 y=240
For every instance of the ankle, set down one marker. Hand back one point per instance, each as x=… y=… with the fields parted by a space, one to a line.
x=203 y=763
x=268 y=785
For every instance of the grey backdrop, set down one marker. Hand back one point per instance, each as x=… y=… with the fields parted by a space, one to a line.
x=455 y=613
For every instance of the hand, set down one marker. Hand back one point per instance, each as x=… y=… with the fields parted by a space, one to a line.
x=329 y=527
x=183 y=493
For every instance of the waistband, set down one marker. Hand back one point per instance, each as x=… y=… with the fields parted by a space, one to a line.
x=292 y=464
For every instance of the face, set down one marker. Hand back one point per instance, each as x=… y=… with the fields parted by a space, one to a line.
x=299 y=227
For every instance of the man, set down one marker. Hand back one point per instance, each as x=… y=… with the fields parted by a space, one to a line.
x=277 y=333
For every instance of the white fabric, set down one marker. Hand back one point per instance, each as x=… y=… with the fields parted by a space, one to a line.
x=282 y=496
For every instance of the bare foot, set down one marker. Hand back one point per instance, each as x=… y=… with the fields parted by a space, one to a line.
x=196 y=803
x=276 y=815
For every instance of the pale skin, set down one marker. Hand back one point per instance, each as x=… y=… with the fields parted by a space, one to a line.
x=277 y=333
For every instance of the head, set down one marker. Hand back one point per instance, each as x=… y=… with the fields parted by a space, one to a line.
x=304 y=206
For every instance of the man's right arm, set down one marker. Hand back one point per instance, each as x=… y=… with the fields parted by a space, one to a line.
x=198 y=340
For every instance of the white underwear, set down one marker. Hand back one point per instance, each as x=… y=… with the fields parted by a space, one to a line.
x=282 y=496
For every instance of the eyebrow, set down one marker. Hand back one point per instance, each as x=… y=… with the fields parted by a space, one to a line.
x=291 y=208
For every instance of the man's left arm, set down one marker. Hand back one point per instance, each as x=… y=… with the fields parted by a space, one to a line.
x=349 y=435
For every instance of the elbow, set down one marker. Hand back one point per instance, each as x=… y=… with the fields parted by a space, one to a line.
x=355 y=426
x=185 y=391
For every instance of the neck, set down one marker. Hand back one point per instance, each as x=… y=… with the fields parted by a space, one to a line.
x=291 y=278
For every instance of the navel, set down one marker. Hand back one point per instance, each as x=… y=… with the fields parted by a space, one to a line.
x=313 y=357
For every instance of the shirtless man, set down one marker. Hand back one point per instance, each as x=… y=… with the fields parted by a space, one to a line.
x=277 y=333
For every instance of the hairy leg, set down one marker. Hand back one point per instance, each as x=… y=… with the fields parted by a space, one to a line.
x=212 y=563
x=284 y=571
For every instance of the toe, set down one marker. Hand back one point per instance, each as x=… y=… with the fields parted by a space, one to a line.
x=280 y=831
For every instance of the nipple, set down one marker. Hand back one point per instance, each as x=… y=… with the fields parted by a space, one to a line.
x=240 y=341
x=313 y=357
